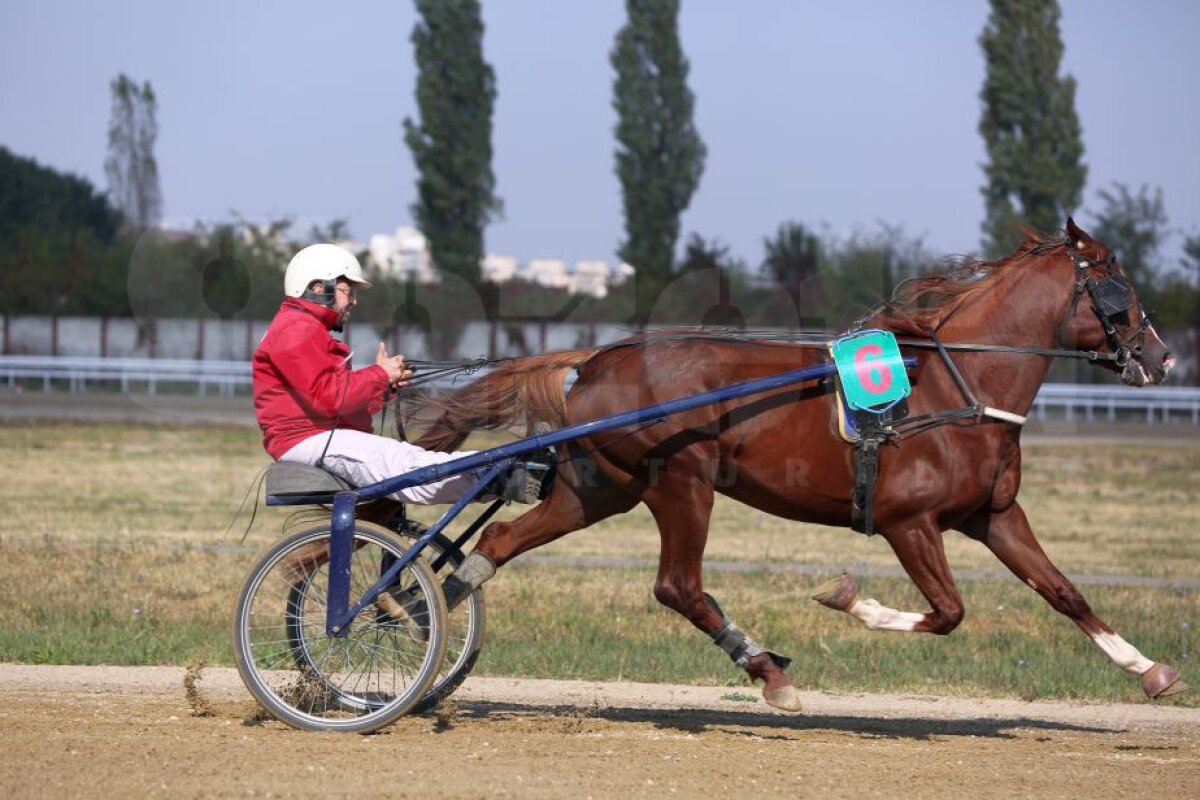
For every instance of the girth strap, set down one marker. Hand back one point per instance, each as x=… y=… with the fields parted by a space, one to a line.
x=866 y=470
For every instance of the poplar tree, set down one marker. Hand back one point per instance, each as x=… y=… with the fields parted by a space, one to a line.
x=451 y=144
x=659 y=156
x=1035 y=172
x=131 y=167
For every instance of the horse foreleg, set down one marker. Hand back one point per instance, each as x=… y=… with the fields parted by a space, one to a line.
x=1008 y=535
x=841 y=594
x=918 y=546
x=682 y=512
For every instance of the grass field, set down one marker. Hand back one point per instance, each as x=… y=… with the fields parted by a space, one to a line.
x=114 y=552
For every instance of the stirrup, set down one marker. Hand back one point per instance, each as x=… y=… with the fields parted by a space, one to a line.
x=530 y=480
x=525 y=481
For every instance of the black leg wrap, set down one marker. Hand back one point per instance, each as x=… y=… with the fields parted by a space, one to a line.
x=456 y=591
x=475 y=570
x=734 y=641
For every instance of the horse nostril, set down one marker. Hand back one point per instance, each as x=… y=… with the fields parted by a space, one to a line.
x=1168 y=362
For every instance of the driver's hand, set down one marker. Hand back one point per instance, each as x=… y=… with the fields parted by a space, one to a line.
x=398 y=374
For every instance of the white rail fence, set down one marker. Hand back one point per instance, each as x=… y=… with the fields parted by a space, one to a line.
x=81 y=373
x=1089 y=402
x=1074 y=402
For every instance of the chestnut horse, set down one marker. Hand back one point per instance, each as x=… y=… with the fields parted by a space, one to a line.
x=781 y=452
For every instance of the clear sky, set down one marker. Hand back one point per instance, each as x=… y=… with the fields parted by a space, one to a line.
x=842 y=113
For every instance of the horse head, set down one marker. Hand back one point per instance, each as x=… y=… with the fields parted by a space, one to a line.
x=1107 y=316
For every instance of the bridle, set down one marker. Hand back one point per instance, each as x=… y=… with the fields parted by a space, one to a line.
x=1111 y=299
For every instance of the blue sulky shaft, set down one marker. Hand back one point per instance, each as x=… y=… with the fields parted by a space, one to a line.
x=339 y=612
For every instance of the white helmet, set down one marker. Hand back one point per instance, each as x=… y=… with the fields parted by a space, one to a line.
x=321 y=262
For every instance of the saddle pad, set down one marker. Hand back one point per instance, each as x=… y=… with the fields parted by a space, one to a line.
x=846 y=426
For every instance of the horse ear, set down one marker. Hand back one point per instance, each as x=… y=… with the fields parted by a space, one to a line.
x=1077 y=233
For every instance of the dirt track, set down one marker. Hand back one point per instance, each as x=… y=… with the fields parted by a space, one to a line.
x=135 y=732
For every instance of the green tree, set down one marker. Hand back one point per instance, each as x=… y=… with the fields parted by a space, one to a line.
x=57 y=240
x=40 y=198
x=700 y=253
x=1035 y=172
x=1177 y=306
x=452 y=142
x=1191 y=251
x=863 y=269
x=710 y=286
x=659 y=156
x=793 y=260
x=1134 y=226
x=131 y=167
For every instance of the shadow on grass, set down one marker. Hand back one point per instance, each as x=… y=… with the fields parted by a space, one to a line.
x=732 y=723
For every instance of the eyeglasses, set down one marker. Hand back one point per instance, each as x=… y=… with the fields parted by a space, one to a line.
x=349 y=291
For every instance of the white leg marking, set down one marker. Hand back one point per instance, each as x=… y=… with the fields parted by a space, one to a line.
x=881 y=618
x=1123 y=654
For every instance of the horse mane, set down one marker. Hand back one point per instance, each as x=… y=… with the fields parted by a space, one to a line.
x=921 y=305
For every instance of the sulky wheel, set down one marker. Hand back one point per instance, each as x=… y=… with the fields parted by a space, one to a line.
x=464 y=625
x=380 y=670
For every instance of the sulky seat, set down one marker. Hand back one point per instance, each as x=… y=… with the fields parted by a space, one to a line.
x=291 y=484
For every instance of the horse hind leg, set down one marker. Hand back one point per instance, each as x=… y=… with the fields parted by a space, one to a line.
x=682 y=514
x=759 y=664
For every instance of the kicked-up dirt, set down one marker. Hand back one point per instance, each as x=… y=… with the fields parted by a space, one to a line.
x=170 y=732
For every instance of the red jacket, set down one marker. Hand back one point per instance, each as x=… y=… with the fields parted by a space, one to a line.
x=303 y=382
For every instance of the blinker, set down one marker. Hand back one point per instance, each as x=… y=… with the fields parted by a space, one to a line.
x=1111 y=295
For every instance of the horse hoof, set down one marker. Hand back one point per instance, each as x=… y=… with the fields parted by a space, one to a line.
x=785 y=698
x=1162 y=681
x=838 y=594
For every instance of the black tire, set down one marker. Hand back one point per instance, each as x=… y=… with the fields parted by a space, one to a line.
x=380 y=670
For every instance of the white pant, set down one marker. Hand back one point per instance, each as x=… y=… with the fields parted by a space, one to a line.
x=364 y=458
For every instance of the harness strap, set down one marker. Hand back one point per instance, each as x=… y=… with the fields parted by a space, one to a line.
x=821 y=340
x=1090 y=355
x=1006 y=416
x=954 y=373
x=866 y=463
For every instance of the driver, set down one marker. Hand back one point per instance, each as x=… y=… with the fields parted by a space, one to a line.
x=313 y=408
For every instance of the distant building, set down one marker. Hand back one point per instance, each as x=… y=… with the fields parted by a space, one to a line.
x=590 y=277
x=550 y=272
x=403 y=255
x=499 y=269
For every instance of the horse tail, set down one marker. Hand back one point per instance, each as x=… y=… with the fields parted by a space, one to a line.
x=528 y=390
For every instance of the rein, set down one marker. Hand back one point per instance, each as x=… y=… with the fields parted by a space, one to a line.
x=429 y=371
x=821 y=340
